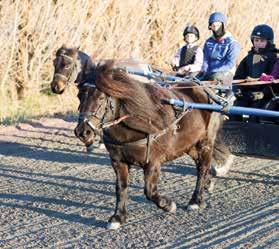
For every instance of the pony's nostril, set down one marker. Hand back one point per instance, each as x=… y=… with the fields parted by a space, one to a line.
x=88 y=133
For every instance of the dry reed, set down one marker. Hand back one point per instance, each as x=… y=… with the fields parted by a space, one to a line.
x=32 y=30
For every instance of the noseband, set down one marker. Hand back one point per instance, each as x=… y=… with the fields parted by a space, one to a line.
x=87 y=116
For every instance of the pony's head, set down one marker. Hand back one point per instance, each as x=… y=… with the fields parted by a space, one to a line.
x=92 y=109
x=66 y=68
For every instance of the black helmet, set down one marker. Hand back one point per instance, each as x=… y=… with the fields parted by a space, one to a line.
x=263 y=31
x=191 y=29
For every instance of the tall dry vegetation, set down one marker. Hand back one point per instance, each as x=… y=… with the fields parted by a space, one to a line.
x=32 y=30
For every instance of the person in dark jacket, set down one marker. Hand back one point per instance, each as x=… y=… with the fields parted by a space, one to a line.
x=189 y=58
x=262 y=57
x=258 y=62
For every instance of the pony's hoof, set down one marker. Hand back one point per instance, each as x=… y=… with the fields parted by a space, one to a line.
x=113 y=225
x=193 y=207
x=172 y=207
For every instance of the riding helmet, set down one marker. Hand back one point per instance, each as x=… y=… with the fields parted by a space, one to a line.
x=217 y=17
x=263 y=31
x=192 y=29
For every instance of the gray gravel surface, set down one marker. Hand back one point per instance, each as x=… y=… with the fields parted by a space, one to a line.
x=54 y=195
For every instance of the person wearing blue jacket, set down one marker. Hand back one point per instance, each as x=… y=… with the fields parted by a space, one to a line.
x=220 y=51
x=220 y=55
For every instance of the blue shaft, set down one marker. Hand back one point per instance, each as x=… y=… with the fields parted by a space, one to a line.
x=233 y=110
x=166 y=77
x=151 y=75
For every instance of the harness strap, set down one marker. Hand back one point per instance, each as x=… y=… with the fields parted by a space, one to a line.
x=148 y=140
x=67 y=57
x=59 y=75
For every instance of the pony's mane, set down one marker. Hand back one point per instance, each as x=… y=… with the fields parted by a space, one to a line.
x=140 y=100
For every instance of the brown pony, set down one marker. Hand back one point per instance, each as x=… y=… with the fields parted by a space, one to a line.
x=139 y=129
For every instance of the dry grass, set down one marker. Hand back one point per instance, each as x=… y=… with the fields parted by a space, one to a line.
x=32 y=30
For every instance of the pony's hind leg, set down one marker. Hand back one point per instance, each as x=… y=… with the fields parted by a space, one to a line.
x=120 y=214
x=202 y=159
x=151 y=177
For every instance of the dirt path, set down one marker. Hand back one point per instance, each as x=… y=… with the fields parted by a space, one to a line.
x=54 y=195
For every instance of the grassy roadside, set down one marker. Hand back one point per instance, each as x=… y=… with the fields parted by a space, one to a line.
x=36 y=105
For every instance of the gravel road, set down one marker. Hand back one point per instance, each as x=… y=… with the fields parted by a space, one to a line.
x=54 y=195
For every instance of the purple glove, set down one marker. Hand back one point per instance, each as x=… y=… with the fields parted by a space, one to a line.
x=266 y=77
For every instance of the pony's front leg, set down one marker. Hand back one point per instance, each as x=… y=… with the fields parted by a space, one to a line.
x=151 y=177
x=122 y=173
x=203 y=160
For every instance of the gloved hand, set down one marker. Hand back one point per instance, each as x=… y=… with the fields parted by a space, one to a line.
x=174 y=68
x=237 y=92
x=266 y=77
x=184 y=70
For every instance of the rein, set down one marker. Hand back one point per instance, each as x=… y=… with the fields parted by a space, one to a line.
x=98 y=129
